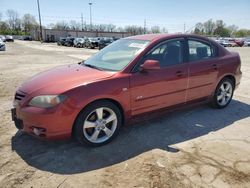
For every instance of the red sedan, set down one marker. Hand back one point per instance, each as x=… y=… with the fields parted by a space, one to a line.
x=132 y=76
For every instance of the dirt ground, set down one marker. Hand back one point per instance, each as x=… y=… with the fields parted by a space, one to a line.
x=197 y=147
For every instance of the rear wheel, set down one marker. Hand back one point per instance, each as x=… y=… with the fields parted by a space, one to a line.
x=98 y=123
x=223 y=93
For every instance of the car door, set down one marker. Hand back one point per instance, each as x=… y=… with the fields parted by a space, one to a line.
x=203 y=69
x=164 y=87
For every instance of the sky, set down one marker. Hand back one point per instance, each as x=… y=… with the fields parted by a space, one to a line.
x=172 y=14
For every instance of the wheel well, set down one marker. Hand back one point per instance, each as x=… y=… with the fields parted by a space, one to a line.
x=231 y=78
x=106 y=99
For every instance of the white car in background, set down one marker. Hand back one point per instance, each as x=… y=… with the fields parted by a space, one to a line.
x=3 y=38
x=247 y=42
x=2 y=45
x=9 y=38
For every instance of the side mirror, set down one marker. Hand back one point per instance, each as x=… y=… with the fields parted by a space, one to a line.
x=150 y=65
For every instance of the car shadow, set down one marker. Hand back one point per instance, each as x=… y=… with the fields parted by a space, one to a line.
x=68 y=157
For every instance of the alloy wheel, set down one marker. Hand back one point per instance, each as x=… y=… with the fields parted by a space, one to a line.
x=225 y=93
x=100 y=125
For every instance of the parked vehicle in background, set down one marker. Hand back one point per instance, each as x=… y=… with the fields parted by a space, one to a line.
x=133 y=76
x=69 y=41
x=2 y=37
x=61 y=41
x=233 y=43
x=2 y=45
x=105 y=42
x=9 y=38
x=247 y=42
x=115 y=38
x=91 y=43
x=224 y=43
x=79 y=42
x=239 y=42
x=29 y=38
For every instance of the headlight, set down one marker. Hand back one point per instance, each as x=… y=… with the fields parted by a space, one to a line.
x=47 y=101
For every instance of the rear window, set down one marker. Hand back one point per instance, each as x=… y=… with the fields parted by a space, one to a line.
x=199 y=50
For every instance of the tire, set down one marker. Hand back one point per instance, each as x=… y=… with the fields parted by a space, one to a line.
x=222 y=98
x=89 y=129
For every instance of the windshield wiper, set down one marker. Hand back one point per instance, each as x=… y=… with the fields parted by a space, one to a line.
x=93 y=66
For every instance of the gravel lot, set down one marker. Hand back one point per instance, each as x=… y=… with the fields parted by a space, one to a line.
x=197 y=147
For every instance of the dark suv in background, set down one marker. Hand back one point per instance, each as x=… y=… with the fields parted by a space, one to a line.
x=61 y=41
x=69 y=41
x=105 y=42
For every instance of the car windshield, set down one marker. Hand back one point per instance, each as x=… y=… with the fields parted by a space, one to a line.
x=117 y=55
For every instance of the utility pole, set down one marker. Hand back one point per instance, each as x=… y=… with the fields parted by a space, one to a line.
x=145 y=26
x=41 y=34
x=82 y=21
x=90 y=15
x=184 y=28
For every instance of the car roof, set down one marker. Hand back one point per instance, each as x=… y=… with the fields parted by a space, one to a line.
x=162 y=36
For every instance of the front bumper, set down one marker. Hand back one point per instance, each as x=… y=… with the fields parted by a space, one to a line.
x=54 y=123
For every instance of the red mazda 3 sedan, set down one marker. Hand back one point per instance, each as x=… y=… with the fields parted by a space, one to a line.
x=132 y=76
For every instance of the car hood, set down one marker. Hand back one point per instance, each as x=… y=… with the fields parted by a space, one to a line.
x=63 y=78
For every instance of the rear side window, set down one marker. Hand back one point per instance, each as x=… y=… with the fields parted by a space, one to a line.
x=199 y=50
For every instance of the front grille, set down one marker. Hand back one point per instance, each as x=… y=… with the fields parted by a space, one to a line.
x=19 y=95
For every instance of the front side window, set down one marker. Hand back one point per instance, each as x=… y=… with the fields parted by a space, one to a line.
x=199 y=50
x=169 y=53
x=117 y=55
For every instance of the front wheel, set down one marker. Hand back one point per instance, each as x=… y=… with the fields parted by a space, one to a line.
x=223 y=93
x=98 y=123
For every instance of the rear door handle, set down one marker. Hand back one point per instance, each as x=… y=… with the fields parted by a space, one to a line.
x=179 y=73
x=214 y=66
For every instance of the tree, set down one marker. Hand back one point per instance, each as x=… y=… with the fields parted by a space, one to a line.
x=29 y=23
x=220 y=23
x=111 y=27
x=199 y=28
x=134 y=30
x=13 y=20
x=4 y=28
x=102 y=27
x=242 y=33
x=209 y=27
x=222 y=32
x=232 y=29
x=62 y=25
x=74 y=25
x=120 y=29
x=164 y=30
x=155 y=29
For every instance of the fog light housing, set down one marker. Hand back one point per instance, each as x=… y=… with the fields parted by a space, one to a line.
x=38 y=131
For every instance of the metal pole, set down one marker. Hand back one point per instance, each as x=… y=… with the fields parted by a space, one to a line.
x=82 y=21
x=41 y=35
x=90 y=16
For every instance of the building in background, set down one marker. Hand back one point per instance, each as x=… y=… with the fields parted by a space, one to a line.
x=53 y=35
